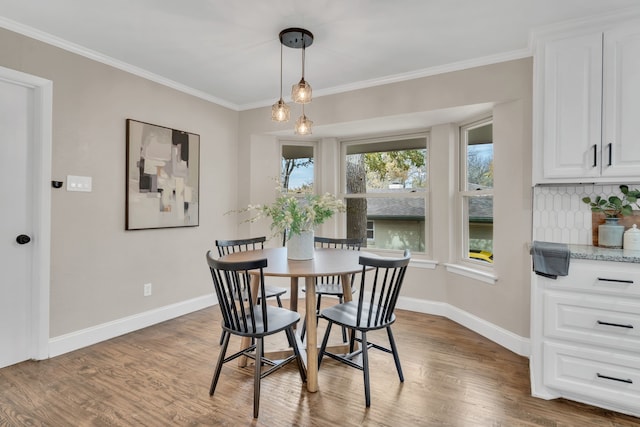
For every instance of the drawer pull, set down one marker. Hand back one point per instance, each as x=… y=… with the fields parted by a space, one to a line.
x=604 y=279
x=614 y=378
x=617 y=325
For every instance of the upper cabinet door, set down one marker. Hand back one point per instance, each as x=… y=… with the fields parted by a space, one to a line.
x=572 y=99
x=621 y=115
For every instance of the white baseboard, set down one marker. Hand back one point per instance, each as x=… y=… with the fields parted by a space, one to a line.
x=95 y=334
x=86 y=337
x=506 y=339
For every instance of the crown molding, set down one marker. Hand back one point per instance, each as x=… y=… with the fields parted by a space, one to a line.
x=592 y=23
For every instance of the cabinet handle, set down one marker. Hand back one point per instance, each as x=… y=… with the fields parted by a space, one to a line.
x=618 y=325
x=595 y=155
x=614 y=378
x=610 y=148
x=604 y=279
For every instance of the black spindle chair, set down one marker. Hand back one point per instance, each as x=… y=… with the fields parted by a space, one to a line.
x=226 y=247
x=379 y=290
x=249 y=318
x=332 y=285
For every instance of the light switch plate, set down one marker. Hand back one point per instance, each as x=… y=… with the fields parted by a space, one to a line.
x=78 y=183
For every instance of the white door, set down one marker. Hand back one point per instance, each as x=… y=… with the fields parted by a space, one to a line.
x=16 y=117
x=26 y=104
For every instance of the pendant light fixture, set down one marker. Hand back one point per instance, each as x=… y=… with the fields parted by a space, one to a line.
x=301 y=92
x=280 y=110
x=303 y=124
x=296 y=38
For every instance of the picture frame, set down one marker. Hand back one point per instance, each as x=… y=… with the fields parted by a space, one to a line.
x=163 y=177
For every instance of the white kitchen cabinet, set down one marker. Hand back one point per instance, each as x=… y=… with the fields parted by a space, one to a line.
x=585 y=335
x=587 y=105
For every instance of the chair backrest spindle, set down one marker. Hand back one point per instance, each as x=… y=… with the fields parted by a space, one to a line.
x=383 y=289
x=336 y=243
x=231 y=279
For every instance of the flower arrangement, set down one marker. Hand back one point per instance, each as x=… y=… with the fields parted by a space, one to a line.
x=614 y=205
x=293 y=213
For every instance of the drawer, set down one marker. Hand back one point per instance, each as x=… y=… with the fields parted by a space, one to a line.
x=611 y=322
x=613 y=278
x=598 y=376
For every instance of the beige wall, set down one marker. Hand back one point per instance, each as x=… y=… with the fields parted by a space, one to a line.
x=97 y=268
x=508 y=86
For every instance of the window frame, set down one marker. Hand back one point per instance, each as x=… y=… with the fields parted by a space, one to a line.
x=464 y=194
x=316 y=160
x=425 y=195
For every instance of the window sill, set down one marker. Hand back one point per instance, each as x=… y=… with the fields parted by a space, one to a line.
x=472 y=273
x=423 y=263
x=417 y=260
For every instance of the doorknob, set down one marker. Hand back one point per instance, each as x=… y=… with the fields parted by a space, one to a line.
x=23 y=239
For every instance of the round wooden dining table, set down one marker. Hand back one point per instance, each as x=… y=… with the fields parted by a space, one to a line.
x=326 y=262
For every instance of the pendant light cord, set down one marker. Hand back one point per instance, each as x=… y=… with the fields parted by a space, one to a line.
x=281 y=71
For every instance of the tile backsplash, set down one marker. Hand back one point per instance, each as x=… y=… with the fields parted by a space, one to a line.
x=559 y=215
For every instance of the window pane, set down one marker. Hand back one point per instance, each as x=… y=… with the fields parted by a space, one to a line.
x=392 y=223
x=480 y=228
x=480 y=158
x=384 y=167
x=297 y=167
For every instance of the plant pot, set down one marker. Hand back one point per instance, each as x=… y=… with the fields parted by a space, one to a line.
x=301 y=246
x=610 y=234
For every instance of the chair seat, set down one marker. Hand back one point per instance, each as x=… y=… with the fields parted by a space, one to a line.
x=328 y=289
x=346 y=315
x=279 y=319
x=273 y=291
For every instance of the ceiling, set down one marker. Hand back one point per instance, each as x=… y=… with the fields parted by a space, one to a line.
x=228 y=51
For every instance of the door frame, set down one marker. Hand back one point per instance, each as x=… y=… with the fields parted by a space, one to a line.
x=40 y=154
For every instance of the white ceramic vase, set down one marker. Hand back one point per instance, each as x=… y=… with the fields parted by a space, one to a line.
x=610 y=234
x=300 y=246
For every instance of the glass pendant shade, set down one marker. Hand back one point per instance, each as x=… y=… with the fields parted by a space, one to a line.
x=301 y=92
x=303 y=125
x=280 y=111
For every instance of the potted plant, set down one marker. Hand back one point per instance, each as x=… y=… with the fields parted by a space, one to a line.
x=610 y=233
x=615 y=206
x=296 y=215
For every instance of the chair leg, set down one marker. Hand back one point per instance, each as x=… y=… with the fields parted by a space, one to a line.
x=279 y=301
x=223 y=351
x=222 y=334
x=256 y=378
x=304 y=327
x=365 y=369
x=292 y=342
x=394 y=350
x=352 y=341
x=344 y=329
x=325 y=340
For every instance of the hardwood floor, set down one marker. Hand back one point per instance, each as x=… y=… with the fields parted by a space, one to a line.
x=160 y=376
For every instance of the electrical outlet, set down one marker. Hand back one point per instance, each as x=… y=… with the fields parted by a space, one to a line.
x=147 y=289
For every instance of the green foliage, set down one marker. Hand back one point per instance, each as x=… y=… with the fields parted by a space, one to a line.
x=614 y=205
x=293 y=213
x=389 y=166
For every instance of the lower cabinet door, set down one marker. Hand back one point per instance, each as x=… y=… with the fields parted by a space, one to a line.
x=599 y=376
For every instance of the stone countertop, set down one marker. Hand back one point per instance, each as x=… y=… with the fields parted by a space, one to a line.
x=603 y=254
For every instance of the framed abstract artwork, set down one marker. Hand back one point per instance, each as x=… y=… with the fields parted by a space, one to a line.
x=163 y=177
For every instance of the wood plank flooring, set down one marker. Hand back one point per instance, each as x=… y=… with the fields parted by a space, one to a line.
x=160 y=376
